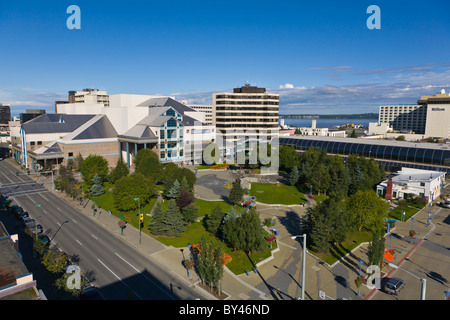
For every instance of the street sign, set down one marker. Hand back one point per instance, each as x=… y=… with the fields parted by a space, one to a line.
x=388 y=256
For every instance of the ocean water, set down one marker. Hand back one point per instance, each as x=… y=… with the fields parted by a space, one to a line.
x=326 y=123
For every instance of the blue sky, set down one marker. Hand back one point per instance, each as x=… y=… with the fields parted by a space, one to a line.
x=318 y=55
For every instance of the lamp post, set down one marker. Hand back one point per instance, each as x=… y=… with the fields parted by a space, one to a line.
x=360 y=265
x=303 y=263
x=423 y=281
x=139 y=205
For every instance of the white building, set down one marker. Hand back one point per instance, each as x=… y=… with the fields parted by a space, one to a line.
x=323 y=132
x=422 y=183
x=429 y=118
x=141 y=120
x=89 y=96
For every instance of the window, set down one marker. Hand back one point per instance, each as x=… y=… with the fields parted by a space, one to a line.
x=32 y=143
x=422 y=184
x=39 y=143
x=70 y=154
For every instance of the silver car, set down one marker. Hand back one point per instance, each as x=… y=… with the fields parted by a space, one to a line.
x=446 y=204
x=393 y=286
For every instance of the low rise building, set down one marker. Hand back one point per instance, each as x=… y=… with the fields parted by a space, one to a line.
x=14 y=275
x=413 y=182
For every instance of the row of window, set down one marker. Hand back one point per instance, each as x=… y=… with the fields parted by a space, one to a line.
x=248 y=108
x=263 y=103
x=227 y=96
x=385 y=152
x=250 y=114
x=170 y=154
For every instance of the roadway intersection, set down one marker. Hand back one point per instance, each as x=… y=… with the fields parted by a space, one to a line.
x=117 y=268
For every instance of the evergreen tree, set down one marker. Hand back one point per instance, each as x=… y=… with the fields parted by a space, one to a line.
x=249 y=232
x=214 y=219
x=227 y=228
x=294 y=176
x=236 y=193
x=121 y=170
x=173 y=220
x=156 y=225
x=174 y=190
x=190 y=213
x=97 y=187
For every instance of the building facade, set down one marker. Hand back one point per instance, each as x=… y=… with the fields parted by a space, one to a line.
x=89 y=96
x=248 y=111
x=413 y=182
x=429 y=118
x=5 y=114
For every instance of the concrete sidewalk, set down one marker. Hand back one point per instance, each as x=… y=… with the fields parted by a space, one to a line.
x=279 y=277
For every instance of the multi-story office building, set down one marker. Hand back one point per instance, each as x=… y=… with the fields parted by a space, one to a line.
x=5 y=113
x=430 y=117
x=247 y=112
x=89 y=96
x=207 y=109
x=438 y=115
x=404 y=117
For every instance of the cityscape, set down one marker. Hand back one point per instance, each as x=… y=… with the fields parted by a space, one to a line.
x=216 y=176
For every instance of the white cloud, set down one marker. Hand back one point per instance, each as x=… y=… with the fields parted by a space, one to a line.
x=287 y=86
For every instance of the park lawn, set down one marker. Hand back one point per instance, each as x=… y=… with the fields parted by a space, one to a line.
x=191 y=235
x=277 y=194
x=243 y=262
x=396 y=212
x=205 y=207
x=338 y=251
x=106 y=202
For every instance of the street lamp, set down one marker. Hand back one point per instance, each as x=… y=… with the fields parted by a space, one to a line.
x=139 y=204
x=303 y=263
x=423 y=281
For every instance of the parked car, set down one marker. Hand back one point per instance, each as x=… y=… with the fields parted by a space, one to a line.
x=91 y=293
x=44 y=239
x=33 y=228
x=28 y=221
x=23 y=215
x=15 y=209
x=393 y=286
x=446 y=204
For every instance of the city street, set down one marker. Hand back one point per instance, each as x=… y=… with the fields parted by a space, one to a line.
x=118 y=269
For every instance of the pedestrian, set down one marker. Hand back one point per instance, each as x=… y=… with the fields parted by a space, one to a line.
x=110 y=212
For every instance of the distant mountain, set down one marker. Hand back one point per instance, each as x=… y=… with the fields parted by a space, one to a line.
x=330 y=116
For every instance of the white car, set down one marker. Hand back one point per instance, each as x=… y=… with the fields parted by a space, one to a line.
x=446 y=204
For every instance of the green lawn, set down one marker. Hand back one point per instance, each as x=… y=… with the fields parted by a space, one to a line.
x=277 y=194
x=193 y=233
x=352 y=240
x=396 y=212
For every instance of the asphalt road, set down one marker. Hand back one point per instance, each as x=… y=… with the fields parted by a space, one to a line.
x=430 y=261
x=119 y=270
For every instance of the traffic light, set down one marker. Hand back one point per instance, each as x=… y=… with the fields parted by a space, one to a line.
x=141 y=217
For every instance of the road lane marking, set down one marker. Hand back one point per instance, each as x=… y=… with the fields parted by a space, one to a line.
x=155 y=284
x=127 y=262
x=94 y=237
x=74 y=221
x=78 y=242
x=137 y=295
